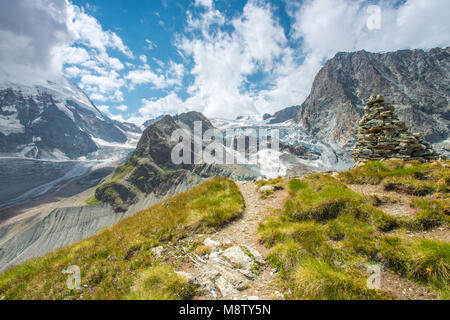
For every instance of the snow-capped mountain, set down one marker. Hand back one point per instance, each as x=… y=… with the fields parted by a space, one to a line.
x=44 y=119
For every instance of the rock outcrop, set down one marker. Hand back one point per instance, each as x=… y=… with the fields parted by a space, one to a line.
x=282 y=115
x=382 y=135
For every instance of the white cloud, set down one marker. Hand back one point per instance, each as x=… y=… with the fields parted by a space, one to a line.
x=224 y=60
x=143 y=58
x=329 y=26
x=122 y=108
x=104 y=109
x=150 y=44
x=171 y=104
x=166 y=78
x=47 y=38
x=204 y=3
x=26 y=49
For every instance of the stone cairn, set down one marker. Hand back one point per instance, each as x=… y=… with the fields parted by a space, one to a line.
x=382 y=135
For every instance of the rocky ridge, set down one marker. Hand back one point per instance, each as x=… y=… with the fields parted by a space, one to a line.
x=382 y=135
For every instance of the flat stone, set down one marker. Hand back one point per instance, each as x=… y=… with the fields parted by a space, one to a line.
x=225 y=287
x=238 y=258
x=256 y=254
x=157 y=251
x=266 y=188
x=211 y=243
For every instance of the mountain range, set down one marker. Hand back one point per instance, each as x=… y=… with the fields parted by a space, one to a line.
x=54 y=120
x=416 y=82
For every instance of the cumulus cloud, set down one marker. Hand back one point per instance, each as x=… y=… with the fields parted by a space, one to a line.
x=24 y=47
x=241 y=64
x=224 y=61
x=150 y=44
x=48 y=38
x=329 y=26
x=229 y=54
x=122 y=108
x=171 y=76
x=143 y=58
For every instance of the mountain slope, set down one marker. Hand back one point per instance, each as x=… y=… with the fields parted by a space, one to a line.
x=224 y=240
x=106 y=258
x=416 y=82
x=52 y=120
x=150 y=169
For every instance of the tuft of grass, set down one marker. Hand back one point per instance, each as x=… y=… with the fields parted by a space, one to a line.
x=431 y=213
x=92 y=200
x=409 y=186
x=317 y=280
x=119 y=258
x=161 y=283
x=375 y=172
x=203 y=250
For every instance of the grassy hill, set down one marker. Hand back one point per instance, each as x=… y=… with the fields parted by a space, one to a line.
x=328 y=234
x=333 y=227
x=118 y=263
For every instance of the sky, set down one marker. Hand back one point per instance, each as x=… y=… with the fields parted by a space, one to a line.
x=139 y=59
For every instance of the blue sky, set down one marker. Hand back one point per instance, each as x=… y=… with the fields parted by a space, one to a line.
x=139 y=59
x=151 y=29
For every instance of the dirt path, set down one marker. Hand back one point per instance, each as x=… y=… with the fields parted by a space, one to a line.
x=236 y=267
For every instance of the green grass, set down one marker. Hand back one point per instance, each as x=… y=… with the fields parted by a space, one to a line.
x=92 y=200
x=409 y=186
x=277 y=183
x=161 y=283
x=118 y=263
x=328 y=232
x=431 y=213
x=413 y=172
x=426 y=261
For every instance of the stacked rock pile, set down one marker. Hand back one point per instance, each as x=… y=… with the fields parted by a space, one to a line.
x=382 y=135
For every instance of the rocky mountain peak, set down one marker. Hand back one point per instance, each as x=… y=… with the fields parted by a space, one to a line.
x=416 y=82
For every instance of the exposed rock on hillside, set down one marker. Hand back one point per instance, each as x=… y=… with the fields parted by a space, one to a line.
x=415 y=82
x=382 y=135
x=282 y=115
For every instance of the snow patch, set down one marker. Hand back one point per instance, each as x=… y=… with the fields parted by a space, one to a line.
x=10 y=124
